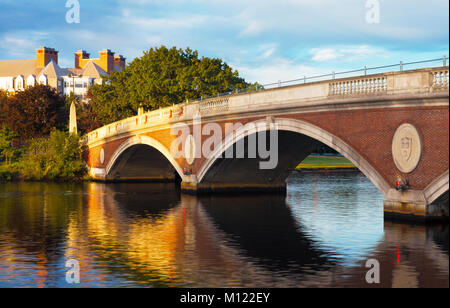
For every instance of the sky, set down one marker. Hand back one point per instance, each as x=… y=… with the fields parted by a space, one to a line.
x=264 y=40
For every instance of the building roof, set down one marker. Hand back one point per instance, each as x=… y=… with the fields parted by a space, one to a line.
x=75 y=71
x=14 y=68
x=93 y=70
x=52 y=70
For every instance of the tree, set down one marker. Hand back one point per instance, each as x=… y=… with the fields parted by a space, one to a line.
x=7 y=149
x=162 y=77
x=3 y=101
x=87 y=118
x=34 y=112
x=56 y=157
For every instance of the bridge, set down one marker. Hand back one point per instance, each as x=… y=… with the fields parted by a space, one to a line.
x=394 y=127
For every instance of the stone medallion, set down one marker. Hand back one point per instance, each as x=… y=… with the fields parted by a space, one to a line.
x=189 y=150
x=102 y=156
x=406 y=148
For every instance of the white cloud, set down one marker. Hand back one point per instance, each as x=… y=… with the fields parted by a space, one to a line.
x=347 y=53
x=166 y=23
x=22 y=44
x=325 y=54
x=278 y=69
x=268 y=50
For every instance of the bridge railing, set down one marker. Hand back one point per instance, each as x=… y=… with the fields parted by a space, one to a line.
x=401 y=66
x=359 y=86
x=411 y=81
x=440 y=77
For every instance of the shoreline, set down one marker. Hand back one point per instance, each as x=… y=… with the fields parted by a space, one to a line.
x=313 y=163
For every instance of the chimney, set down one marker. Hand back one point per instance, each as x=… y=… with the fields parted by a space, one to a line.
x=119 y=60
x=106 y=61
x=80 y=58
x=44 y=55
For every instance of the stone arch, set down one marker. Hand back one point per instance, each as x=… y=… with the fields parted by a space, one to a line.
x=437 y=188
x=144 y=140
x=309 y=130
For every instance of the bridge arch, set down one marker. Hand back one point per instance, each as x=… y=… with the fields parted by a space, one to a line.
x=302 y=128
x=438 y=188
x=147 y=141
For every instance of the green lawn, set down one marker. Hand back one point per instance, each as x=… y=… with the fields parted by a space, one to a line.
x=325 y=162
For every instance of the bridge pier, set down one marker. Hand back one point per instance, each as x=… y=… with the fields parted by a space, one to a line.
x=191 y=186
x=205 y=188
x=412 y=205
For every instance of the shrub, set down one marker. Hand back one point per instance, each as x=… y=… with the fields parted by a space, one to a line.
x=56 y=157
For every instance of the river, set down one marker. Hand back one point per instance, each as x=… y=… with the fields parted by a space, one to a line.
x=149 y=235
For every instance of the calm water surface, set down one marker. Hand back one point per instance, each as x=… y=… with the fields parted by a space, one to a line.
x=150 y=235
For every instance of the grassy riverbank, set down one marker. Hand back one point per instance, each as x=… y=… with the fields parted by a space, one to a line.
x=314 y=162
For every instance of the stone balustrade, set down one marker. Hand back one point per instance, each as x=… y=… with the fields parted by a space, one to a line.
x=359 y=86
x=440 y=77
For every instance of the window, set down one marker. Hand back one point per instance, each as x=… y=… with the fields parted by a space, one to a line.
x=43 y=80
x=31 y=81
x=19 y=82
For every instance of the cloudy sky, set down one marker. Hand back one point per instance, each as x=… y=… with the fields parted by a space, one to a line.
x=264 y=40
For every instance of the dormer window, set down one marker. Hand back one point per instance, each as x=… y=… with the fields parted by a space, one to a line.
x=43 y=80
x=31 y=81
x=19 y=82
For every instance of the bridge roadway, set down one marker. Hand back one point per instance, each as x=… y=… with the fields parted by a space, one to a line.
x=392 y=126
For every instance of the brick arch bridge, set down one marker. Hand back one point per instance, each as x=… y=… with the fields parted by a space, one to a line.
x=358 y=117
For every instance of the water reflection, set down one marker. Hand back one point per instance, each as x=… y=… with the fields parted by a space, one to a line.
x=151 y=235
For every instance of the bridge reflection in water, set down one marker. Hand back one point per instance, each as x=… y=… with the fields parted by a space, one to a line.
x=321 y=234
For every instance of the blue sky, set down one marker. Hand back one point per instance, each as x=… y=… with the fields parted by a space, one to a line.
x=264 y=40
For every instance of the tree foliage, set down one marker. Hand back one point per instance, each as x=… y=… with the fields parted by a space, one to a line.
x=7 y=150
x=162 y=77
x=34 y=112
x=3 y=101
x=56 y=157
x=87 y=119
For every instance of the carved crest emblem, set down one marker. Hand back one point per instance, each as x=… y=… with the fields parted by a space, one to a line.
x=406 y=147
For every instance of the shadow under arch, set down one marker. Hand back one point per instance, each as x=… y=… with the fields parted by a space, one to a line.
x=143 y=158
x=311 y=132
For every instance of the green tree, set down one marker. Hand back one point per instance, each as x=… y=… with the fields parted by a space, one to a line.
x=56 y=157
x=7 y=151
x=162 y=77
x=87 y=118
x=34 y=112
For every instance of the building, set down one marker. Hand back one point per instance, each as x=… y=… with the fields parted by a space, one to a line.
x=16 y=75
